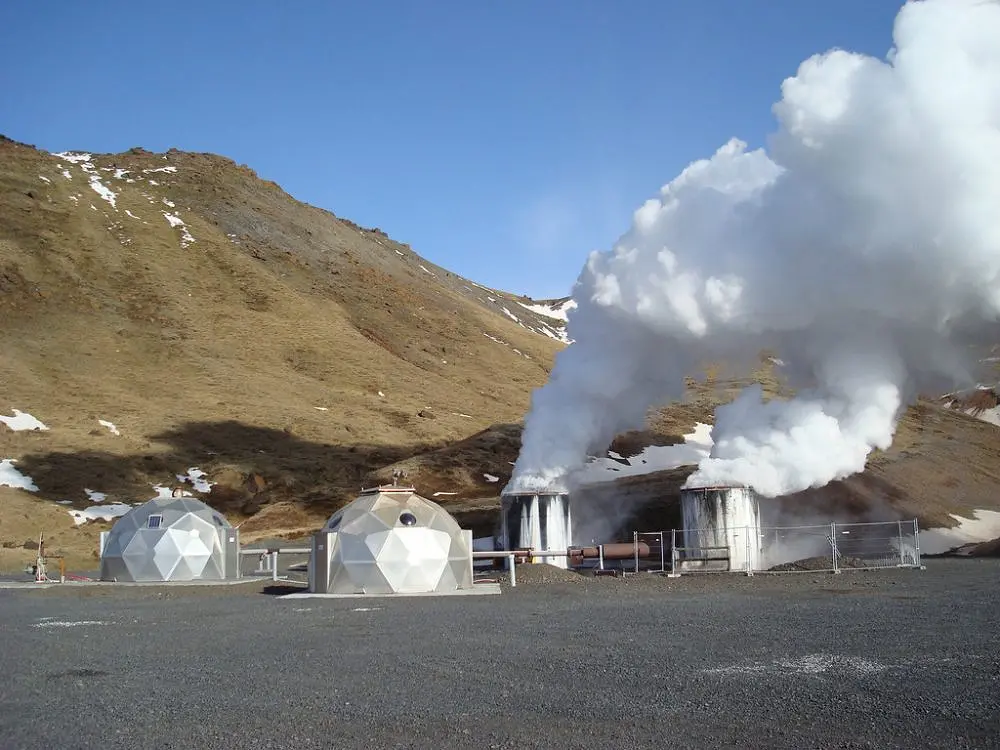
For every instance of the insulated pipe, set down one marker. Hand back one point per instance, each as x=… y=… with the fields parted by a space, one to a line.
x=521 y=555
x=616 y=551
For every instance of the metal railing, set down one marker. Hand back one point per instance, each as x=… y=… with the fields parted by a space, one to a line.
x=829 y=547
x=509 y=555
x=267 y=559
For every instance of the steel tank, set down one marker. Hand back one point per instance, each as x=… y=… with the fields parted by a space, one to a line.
x=721 y=525
x=539 y=521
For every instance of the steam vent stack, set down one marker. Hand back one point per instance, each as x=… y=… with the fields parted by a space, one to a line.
x=721 y=528
x=537 y=521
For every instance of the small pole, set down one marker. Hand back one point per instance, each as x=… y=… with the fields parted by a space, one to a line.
x=513 y=574
x=673 y=551
x=635 y=548
x=833 y=546
x=902 y=553
x=916 y=544
x=663 y=562
x=274 y=565
x=600 y=557
x=749 y=557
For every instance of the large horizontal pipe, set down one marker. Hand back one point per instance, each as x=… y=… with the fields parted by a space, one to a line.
x=521 y=553
x=616 y=551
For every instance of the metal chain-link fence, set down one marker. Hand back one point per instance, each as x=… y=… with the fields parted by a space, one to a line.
x=828 y=547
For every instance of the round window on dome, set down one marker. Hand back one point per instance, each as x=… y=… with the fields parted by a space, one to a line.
x=408 y=519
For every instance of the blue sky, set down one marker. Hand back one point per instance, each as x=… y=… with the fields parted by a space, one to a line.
x=502 y=140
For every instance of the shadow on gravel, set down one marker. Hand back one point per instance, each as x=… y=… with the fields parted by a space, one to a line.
x=282 y=589
x=77 y=674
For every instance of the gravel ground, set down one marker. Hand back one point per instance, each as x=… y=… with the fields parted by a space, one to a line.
x=861 y=660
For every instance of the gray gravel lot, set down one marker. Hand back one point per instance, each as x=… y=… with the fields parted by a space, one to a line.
x=861 y=660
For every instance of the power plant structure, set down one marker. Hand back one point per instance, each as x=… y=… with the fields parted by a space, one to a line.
x=539 y=522
x=722 y=528
x=390 y=540
x=721 y=531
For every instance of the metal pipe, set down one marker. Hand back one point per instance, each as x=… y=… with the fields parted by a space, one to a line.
x=600 y=554
x=521 y=553
x=513 y=572
x=749 y=542
x=282 y=550
x=614 y=551
x=635 y=542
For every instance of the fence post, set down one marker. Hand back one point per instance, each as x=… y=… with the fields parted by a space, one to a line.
x=635 y=549
x=673 y=551
x=902 y=552
x=600 y=557
x=916 y=544
x=663 y=561
x=274 y=565
x=833 y=546
x=513 y=575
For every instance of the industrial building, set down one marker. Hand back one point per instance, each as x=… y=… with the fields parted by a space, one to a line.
x=722 y=529
x=537 y=521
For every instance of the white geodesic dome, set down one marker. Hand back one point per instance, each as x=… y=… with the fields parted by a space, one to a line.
x=167 y=539
x=391 y=540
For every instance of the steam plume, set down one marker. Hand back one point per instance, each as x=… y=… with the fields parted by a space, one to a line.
x=863 y=246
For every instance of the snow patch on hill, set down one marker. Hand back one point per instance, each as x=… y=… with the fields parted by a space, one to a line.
x=22 y=421
x=11 y=477
x=982 y=527
x=982 y=402
x=697 y=445
x=557 y=310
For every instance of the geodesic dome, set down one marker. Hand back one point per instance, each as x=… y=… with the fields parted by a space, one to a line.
x=391 y=540
x=169 y=539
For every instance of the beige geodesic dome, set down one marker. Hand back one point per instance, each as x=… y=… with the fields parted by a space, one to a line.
x=169 y=539
x=392 y=540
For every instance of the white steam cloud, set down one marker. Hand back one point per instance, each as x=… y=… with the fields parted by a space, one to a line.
x=863 y=247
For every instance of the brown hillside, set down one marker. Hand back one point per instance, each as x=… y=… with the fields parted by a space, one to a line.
x=261 y=337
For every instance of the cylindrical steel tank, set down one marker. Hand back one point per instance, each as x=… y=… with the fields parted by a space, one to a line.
x=537 y=521
x=722 y=523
